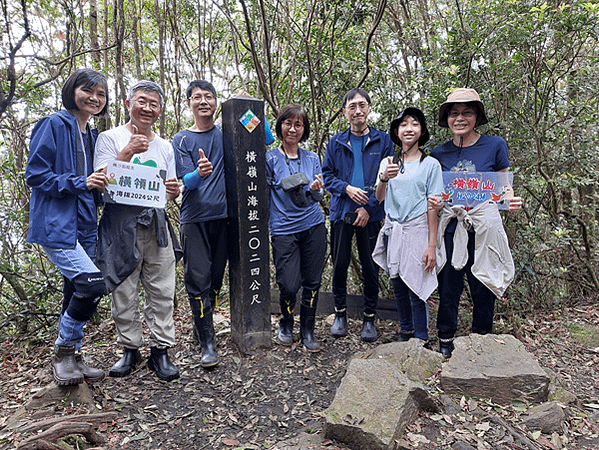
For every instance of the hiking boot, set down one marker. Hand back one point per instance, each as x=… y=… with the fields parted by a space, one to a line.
x=160 y=363
x=89 y=373
x=446 y=347
x=64 y=367
x=122 y=368
x=339 y=327
x=405 y=336
x=369 y=333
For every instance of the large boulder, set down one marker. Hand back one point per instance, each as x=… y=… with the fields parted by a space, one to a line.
x=373 y=404
x=496 y=367
x=412 y=359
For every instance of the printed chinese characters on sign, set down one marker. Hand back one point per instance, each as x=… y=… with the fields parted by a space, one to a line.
x=135 y=184
x=470 y=189
x=253 y=215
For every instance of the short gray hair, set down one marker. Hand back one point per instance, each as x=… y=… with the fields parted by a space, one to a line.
x=145 y=86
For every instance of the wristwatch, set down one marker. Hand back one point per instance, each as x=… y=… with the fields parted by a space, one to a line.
x=381 y=178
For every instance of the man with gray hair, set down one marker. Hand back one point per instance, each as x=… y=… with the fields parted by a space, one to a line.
x=137 y=243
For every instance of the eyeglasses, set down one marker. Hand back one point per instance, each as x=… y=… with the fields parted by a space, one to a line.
x=466 y=114
x=207 y=97
x=142 y=103
x=296 y=125
x=353 y=106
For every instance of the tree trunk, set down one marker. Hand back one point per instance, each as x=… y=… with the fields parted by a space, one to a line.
x=135 y=37
x=119 y=21
x=161 y=34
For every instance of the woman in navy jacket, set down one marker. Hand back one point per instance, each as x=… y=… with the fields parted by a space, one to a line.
x=62 y=212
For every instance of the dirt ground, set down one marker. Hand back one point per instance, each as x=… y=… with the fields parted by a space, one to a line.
x=276 y=398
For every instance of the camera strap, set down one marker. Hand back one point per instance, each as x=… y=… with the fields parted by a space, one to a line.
x=287 y=160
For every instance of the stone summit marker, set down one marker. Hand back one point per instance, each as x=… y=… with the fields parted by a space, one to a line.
x=247 y=197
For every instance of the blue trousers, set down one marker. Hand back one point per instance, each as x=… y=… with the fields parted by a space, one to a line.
x=72 y=262
x=413 y=312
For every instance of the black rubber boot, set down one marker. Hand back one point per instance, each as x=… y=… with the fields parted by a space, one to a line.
x=405 y=336
x=446 y=347
x=286 y=330
x=307 y=321
x=339 y=327
x=202 y=318
x=64 y=367
x=285 y=335
x=369 y=333
x=89 y=373
x=160 y=363
x=122 y=368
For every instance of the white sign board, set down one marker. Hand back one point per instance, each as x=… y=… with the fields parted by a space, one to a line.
x=135 y=184
x=473 y=188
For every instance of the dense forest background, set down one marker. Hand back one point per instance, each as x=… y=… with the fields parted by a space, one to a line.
x=534 y=63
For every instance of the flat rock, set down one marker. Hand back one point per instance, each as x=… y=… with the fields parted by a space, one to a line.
x=373 y=404
x=411 y=358
x=496 y=367
x=548 y=417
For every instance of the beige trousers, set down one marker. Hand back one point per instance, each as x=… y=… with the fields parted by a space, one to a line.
x=156 y=274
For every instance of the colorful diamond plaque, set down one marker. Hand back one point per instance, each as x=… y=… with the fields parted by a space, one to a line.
x=249 y=120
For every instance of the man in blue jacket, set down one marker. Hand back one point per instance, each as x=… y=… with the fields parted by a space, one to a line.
x=349 y=169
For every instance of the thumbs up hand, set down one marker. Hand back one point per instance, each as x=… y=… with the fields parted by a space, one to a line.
x=138 y=143
x=391 y=171
x=204 y=165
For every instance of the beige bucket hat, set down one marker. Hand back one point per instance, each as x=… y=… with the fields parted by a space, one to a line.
x=463 y=95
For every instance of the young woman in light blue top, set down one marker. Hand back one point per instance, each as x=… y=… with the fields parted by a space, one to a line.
x=406 y=244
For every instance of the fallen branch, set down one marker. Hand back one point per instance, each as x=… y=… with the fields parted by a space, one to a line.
x=59 y=430
x=88 y=418
x=41 y=445
x=499 y=421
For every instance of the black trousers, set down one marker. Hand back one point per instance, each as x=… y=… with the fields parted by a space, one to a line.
x=341 y=238
x=299 y=261
x=451 y=285
x=204 y=257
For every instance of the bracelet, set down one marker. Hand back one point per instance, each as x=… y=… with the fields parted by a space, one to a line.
x=381 y=178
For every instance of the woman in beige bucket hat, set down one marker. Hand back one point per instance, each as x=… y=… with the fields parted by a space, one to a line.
x=470 y=242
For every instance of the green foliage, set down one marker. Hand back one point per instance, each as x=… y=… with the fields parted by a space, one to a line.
x=534 y=63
